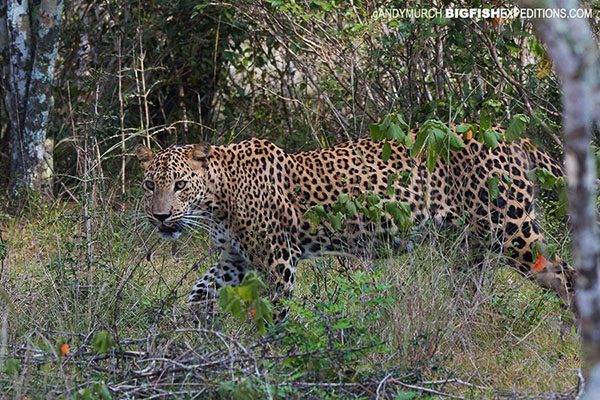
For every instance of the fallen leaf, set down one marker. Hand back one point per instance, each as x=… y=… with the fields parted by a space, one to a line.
x=539 y=264
x=64 y=350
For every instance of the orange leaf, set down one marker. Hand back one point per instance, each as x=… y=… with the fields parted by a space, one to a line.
x=540 y=263
x=545 y=68
x=253 y=312
x=64 y=350
x=469 y=134
x=497 y=22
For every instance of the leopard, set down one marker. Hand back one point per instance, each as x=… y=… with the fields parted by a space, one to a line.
x=252 y=198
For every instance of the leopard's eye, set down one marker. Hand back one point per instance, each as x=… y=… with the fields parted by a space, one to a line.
x=149 y=185
x=180 y=185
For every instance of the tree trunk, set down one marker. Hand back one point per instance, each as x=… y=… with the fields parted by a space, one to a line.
x=28 y=74
x=576 y=57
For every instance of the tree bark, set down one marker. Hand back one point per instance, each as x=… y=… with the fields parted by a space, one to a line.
x=29 y=51
x=571 y=45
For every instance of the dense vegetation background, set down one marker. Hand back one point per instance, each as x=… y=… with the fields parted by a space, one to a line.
x=94 y=305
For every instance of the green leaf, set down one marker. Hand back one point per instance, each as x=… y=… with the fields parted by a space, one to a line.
x=263 y=315
x=455 y=142
x=420 y=141
x=102 y=342
x=544 y=178
x=439 y=134
x=516 y=127
x=561 y=188
x=351 y=208
x=385 y=123
x=405 y=177
x=104 y=392
x=386 y=153
x=596 y=152
x=400 y=212
x=490 y=138
x=463 y=128
x=246 y=293
x=408 y=142
x=336 y=222
x=320 y=210
x=11 y=366
x=373 y=199
x=493 y=103
x=252 y=278
x=314 y=219
x=401 y=121
x=492 y=184
x=341 y=325
x=323 y=4
x=395 y=132
x=229 y=301
x=377 y=133
x=389 y=190
x=406 y=395
x=485 y=123
x=507 y=179
x=431 y=159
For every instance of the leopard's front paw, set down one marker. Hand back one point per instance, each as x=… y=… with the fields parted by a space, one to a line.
x=202 y=307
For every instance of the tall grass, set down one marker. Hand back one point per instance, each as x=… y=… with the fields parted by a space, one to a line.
x=429 y=319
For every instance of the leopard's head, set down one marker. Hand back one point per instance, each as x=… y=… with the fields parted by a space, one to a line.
x=175 y=181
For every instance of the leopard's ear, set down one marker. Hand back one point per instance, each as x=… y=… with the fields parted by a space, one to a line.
x=144 y=155
x=200 y=152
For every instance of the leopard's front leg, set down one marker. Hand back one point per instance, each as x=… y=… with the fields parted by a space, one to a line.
x=229 y=270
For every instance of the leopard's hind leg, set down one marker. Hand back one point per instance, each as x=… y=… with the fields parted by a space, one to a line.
x=549 y=272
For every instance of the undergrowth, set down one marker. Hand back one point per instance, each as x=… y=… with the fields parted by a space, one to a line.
x=107 y=318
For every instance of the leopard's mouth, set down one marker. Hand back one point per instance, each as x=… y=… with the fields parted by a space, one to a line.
x=170 y=232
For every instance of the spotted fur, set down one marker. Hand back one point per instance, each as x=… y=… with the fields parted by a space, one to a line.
x=252 y=196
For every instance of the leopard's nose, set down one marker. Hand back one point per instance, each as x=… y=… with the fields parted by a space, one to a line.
x=161 y=217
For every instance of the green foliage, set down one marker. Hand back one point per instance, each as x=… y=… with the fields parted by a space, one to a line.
x=406 y=395
x=96 y=391
x=521 y=311
x=102 y=342
x=401 y=214
x=464 y=129
x=244 y=300
x=246 y=389
x=391 y=128
x=12 y=366
x=492 y=184
x=339 y=330
x=516 y=127
x=486 y=134
x=547 y=181
x=548 y=250
x=545 y=178
x=435 y=139
x=367 y=205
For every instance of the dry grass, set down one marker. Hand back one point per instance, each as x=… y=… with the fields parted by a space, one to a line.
x=489 y=328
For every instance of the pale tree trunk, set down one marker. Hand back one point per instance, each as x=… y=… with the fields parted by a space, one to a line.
x=576 y=58
x=28 y=47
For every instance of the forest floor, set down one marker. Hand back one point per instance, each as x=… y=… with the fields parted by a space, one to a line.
x=100 y=311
